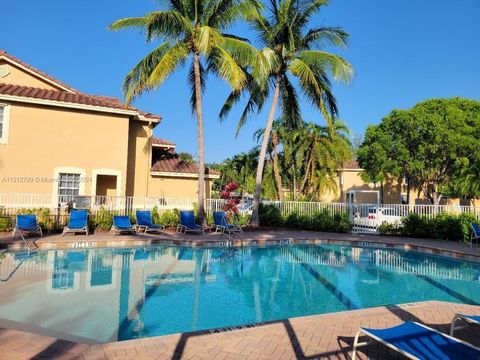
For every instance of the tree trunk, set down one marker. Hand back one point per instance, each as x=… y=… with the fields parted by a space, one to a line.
x=276 y=171
x=255 y=221
x=201 y=157
x=294 y=179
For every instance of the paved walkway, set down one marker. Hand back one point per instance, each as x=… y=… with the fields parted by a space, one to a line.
x=328 y=336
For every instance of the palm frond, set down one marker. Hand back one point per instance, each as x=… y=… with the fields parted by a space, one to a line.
x=325 y=35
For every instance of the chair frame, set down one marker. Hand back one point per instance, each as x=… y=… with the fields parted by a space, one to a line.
x=67 y=230
x=21 y=232
x=357 y=344
x=463 y=318
x=147 y=228
x=115 y=229
x=474 y=236
x=228 y=229
x=184 y=228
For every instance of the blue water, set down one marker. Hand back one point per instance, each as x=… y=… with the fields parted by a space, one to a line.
x=106 y=295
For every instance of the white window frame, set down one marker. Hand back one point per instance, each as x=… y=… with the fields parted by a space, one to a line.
x=68 y=170
x=6 y=123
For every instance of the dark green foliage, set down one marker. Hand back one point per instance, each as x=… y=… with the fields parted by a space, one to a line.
x=5 y=223
x=324 y=220
x=444 y=226
x=169 y=218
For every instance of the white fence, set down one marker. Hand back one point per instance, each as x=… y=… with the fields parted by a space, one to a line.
x=365 y=217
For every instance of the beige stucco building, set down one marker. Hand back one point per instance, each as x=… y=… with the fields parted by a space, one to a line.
x=57 y=140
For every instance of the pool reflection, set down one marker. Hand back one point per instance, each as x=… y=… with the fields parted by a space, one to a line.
x=100 y=295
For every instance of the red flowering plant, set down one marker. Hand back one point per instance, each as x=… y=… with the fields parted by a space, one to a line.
x=232 y=201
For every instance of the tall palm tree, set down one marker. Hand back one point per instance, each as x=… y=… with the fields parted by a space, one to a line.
x=293 y=50
x=193 y=29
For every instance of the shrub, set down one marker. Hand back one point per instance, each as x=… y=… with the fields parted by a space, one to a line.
x=270 y=215
x=104 y=219
x=444 y=226
x=45 y=218
x=169 y=218
x=5 y=224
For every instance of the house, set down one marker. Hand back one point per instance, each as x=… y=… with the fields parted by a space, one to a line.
x=58 y=141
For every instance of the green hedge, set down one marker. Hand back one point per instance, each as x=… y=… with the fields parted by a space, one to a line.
x=444 y=226
x=323 y=220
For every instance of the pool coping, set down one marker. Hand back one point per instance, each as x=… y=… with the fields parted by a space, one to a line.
x=404 y=244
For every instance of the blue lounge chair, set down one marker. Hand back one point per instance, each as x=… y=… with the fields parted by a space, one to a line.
x=475 y=234
x=221 y=224
x=417 y=341
x=122 y=224
x=145 y=223
x=78 y=222
x=468 y=319
x=26 y=224
x=187 y=223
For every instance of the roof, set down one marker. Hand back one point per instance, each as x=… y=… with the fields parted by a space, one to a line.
x=69 y=95
x=170 y=162
x=351 y=165
x=4 y=54
x=162 y=142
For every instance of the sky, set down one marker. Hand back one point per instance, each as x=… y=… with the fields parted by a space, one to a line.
x=403 y=52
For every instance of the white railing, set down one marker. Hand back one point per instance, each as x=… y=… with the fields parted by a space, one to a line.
x=307 y=208
x=124 y=203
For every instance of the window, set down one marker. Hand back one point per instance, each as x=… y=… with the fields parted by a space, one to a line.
x=4 y=117
x=68 y=186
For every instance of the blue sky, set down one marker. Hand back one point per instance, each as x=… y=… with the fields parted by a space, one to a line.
x=403 y=52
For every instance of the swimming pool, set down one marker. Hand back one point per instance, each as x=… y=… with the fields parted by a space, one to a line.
x=102 y=295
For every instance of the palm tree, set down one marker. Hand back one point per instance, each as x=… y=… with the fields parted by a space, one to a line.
x=323 y=150
x=193 y=29
x=293 y=50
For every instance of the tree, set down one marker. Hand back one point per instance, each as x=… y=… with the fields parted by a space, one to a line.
x=292 y=50
x=193 y=29
x=431 y=145
x=323 y=151
x=186 y=157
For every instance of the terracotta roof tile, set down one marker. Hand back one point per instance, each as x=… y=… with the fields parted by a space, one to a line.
x=63 y=96
x=351 y=165
x=158 y=141
x=171 y=162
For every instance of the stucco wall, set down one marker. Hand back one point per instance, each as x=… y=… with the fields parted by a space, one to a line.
x=176 y=187
x=18 y=76
x=42 y=139
x=139 y=159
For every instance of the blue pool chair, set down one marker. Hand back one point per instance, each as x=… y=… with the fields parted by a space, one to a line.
x=145 y=223
x=221 y=224
x=417 y=341
x=468 y=319
x=78 y=222
x=187 y=223
x=475 y=234
x=122 y=224
x=26 y=224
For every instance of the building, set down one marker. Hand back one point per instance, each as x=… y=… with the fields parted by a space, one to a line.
x=58 y=141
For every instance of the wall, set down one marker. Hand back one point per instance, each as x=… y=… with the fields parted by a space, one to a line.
x=139 y=159
x=18 y=76
x=177 y=187
x=42 y=138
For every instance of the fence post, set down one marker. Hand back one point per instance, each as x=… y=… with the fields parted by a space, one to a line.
x=58 y=217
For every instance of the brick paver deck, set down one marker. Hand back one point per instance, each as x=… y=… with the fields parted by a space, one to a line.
x=328 y=336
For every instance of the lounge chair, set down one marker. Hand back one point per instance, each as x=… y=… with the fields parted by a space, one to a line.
x=417 y=341
x=122 y=224
x=187 y=223
x=475 y=234
x=145 y=223
x=221 y=224
x=26 y=224
x=468 y=319
x=78 y=222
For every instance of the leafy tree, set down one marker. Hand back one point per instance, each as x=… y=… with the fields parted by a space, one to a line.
x=293 y=50
x=431 y=144
x=193 y=29
x=187 y=157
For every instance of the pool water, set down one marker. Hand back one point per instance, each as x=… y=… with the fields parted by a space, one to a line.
x=101 y=295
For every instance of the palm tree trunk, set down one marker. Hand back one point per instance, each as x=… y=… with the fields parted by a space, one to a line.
x=201 y=156
x=276 y=171
x=255 y=221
